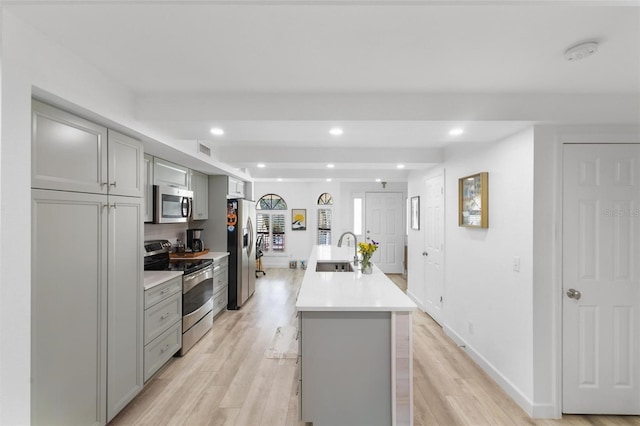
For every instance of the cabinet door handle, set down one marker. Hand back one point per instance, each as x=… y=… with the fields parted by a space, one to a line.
x=165 y=316
x=113 y=184
x=166 y=348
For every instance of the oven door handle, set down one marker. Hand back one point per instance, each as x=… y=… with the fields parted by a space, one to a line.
x=192 y=280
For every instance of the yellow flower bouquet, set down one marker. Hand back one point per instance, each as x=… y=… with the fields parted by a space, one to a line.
x=367 y=250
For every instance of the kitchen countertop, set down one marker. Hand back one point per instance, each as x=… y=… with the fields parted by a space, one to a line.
x=348 y=291
x=215 y=255
x=153 y=278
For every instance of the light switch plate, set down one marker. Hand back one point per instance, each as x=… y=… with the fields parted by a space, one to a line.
x=516 y=263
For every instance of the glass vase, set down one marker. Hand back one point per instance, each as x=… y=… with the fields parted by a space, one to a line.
x=367 y=268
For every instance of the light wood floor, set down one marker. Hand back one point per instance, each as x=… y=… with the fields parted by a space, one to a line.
x=226 y=379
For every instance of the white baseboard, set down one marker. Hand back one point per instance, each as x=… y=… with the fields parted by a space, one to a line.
x=415 y=300
x=525 y=403
x=546 y=411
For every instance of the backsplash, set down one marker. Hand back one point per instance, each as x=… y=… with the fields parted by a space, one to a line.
x=166 y=231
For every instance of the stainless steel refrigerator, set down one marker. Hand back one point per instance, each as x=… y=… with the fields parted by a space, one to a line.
x=241 y=216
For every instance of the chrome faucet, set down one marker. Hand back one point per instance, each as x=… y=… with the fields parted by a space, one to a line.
x=355 y=248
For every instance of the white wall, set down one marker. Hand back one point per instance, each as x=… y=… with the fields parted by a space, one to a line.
x=300 y=195
x=487 y=306
x=304 y=195
x=33 y=64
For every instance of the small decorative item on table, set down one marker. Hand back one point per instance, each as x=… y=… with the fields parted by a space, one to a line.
x=367 y=250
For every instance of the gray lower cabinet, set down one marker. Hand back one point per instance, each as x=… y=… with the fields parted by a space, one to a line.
x=220 y=285
x=162 y=324
x=86 y=283
x=346 y=368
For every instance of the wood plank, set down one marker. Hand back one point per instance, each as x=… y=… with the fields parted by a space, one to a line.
x=228 y=365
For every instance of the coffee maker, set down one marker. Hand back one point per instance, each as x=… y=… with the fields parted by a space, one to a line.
x=193 y=240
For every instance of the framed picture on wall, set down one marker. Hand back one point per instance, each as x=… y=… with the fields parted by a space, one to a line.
x=473 y=201
x=415 y=213
x=299 y=219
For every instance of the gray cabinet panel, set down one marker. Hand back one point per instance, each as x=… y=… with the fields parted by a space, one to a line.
x=199 y=184
x=346 y=368
x=168 y=173
x=148 y=188
x=125 y=165
x=162 y=315
x=68 y=333
x=125 y=303
x=68 y=152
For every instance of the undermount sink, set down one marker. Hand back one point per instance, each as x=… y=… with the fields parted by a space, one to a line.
x=334 y=266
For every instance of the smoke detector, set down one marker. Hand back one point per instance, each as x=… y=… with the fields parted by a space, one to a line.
x=581 y=51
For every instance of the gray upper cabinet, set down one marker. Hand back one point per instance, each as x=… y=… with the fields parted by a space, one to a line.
x=125 y=165
x=68 y=152
x=236 y=188
x=199 y=184
x=148 y=188
x=73 y=154
x=168 y=173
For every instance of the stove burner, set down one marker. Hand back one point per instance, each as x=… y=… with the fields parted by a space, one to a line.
x=157 y=259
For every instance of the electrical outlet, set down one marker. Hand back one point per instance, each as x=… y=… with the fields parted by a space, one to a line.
x=516 y=263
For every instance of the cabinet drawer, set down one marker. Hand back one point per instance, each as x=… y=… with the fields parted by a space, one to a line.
x=161 y=316
x=220 y=279
x=160 y=350
x=220 y=301
x=162 y=291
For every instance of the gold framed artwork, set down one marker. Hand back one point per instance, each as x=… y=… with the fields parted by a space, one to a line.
x=473 y=201
x=299 y=219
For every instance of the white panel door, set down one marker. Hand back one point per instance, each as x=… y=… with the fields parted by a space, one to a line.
x=433 y=253
x=601 y=237
x=385 y=225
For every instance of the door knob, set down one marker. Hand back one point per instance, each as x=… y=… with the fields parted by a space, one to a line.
x=424 y=253
x=574 y=294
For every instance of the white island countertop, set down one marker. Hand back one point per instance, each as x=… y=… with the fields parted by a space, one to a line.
x=347 y=291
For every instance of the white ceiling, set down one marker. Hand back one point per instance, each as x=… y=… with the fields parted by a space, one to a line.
x=275 y=74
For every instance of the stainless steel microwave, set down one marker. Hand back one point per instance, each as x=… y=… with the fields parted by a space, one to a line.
x=171 y=205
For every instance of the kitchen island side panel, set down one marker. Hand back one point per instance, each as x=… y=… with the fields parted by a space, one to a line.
x=346 y=368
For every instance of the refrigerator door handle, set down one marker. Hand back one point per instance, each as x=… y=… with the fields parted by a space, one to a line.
x=250 y=245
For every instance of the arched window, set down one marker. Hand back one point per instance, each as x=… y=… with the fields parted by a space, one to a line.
x=270 y=223
x=324 y=218
x=271 y=202
x=325 y=199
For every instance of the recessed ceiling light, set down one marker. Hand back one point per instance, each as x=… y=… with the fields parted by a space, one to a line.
x=217 y=131
x=581 y=51
x=279 y=179
x=262 y=165
x=336 y=131
x=401 y=166
x=456 y=131
x=328 y=179
x=330 y=166
x=378 y=180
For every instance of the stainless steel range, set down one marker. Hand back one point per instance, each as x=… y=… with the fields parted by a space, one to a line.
x=197 y=289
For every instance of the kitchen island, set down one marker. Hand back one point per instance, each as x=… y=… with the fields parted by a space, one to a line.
x=355 y=344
